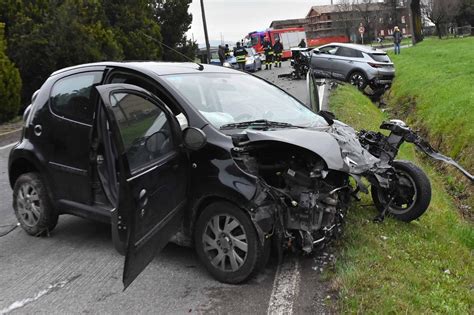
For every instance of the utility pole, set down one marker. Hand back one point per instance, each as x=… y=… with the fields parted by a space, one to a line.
x=208 y=47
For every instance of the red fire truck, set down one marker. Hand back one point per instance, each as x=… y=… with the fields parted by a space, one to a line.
x=289 y=37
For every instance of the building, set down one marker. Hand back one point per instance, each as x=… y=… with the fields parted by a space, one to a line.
x=341 y=22
x=280 y=24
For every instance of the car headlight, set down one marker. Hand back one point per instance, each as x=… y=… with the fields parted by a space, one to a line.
x=227 y=64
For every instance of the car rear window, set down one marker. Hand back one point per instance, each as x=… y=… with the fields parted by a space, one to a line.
x=380 y=57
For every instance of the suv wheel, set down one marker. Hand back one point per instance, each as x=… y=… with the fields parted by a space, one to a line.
x=227 y=243
x=358 y=79
x=32 y=206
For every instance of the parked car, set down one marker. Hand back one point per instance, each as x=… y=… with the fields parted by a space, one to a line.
x=210 y=156
x=253 y=61
x=357 y=64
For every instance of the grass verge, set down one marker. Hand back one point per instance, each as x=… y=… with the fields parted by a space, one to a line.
x=425 y=266
x=433 y=92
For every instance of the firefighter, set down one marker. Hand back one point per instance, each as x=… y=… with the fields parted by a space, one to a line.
x=278 y=51
x=227 y=51
x=268 y=49
x=240 y=53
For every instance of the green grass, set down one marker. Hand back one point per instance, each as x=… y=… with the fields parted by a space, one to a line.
x=397 y=267
x=434 y=88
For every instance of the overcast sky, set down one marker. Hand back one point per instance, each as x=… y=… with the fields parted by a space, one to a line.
x=235 y=18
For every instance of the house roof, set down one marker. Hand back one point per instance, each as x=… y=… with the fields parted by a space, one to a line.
x=321 y=9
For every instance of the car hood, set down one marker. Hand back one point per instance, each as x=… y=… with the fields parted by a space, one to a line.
x=337 y=145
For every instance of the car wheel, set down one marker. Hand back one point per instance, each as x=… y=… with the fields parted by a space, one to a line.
x=414 y=193
x=227 y=244
x=358 y=79
x=32 y=206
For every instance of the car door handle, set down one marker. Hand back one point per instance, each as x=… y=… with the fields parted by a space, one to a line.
x=38 y=130
x=142 y=198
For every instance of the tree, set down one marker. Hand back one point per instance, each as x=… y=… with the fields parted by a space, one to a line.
x=466 y=13
x=440 y=13
x=49 y=35
x=133 y=24
x=175 y=21
x=10 y=83
x=346 y=17
x=415 y=12
x=367 y=14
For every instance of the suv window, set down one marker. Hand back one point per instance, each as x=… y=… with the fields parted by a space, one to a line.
x=73 y=97
x=331 y=50
x=349 y=52
x=144 y=128
x=380 y=57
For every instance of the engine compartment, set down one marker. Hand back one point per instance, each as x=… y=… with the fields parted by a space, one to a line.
x=314 y=198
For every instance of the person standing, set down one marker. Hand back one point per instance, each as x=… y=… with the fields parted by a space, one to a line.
x=227 y=51
x=268 y=49
x=397 y=39
x=302 y=44
x=221 y=54
x=278 y=52
x=240 y=53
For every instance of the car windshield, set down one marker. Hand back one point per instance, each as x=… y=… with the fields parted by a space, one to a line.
x=225 y=98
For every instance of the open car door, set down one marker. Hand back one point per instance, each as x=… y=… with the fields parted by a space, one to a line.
x=313 y=93
x=151 y=170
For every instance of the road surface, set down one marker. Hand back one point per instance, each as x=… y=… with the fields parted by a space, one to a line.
x=77 y=270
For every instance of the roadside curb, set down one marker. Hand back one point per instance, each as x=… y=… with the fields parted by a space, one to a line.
x=9 y=132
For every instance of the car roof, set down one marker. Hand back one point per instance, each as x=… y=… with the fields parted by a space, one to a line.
x=363 y=48
x=158 y=68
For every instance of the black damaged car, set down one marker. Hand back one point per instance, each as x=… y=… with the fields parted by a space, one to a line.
x=205 y=156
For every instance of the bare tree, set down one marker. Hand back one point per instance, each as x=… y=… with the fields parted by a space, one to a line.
x=346 y=17
x=367 y=15
x=440 y=13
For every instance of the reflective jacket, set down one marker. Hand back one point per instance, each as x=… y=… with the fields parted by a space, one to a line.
x=278 y=48
x=240 y=53
x=267 y=47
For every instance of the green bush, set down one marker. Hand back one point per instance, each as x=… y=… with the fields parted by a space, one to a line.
x=10 y=83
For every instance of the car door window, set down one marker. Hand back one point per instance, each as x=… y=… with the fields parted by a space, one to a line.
x=144 y=128
x=72 y=96
x=348 y=52
x=328 y=50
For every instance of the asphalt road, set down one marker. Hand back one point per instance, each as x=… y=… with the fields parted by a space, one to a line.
x=77 y=270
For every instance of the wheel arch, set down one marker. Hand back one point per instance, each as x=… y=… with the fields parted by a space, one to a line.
x=24 y=161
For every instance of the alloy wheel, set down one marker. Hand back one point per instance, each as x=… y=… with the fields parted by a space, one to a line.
x=357 y=79
x=225 y=242
x=28 y=204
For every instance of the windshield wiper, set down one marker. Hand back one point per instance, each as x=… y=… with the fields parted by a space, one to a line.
x=258 y=124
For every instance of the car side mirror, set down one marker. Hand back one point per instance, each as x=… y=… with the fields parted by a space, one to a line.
x=194 y=138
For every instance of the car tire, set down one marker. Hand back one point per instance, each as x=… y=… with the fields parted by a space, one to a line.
x=358 y=79
x=32 y=205
x=216 y=250
x=413 y=177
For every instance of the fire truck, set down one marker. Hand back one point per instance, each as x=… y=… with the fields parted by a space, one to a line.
x=289 y=37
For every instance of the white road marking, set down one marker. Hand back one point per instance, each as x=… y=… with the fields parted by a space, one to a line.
x=8 y=145
x=285 y=288
x=52 y=287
